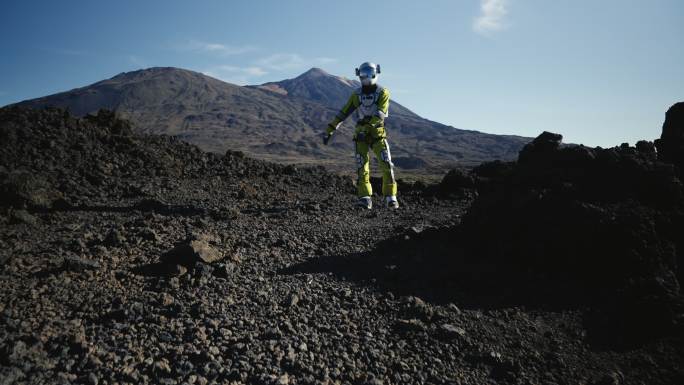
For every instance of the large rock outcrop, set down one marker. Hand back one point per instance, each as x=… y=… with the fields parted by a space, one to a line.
x=565 y=226
x=594 y=227
x=671 y=143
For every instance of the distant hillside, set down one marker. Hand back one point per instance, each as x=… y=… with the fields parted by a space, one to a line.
x=279 y=121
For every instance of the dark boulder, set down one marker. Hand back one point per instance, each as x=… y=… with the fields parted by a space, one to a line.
x=570 y=226
x=593 y=227
x=671 y=143
x=456 y=183
x=195 y=248
x=114 y=238
x=494 y=169
x=646 y=147
x=540 y=147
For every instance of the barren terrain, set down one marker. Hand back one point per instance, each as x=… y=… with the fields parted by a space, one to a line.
x=142 y=259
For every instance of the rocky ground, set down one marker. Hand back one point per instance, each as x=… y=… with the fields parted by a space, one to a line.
x=127 y=259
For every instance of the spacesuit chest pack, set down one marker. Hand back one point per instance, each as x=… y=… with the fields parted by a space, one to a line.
x=368 y=103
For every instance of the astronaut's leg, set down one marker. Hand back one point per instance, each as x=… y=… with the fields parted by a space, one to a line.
x=363 y=185
x=389 y=185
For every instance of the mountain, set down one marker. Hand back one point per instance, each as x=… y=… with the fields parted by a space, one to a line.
x=280 y=121
x=329 y=90
x=208 y=112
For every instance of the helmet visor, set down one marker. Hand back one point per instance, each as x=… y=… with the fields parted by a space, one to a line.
x=367 y=72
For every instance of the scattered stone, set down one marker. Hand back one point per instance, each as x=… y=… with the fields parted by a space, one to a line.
x=114 y=238
x=417 y=307
x=178 y=270
x=196 y=248
x=283 y=380
x=410 y=325
x=167 y=299
x=74 y=263
x=345 y=322
x=203 y=271
x=149 y=235
x=162 y=366
x=23 y=216
x=452 y=307
x=452 y=331
x=294 y=300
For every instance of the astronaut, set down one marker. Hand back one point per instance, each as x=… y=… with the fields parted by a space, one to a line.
x=371 y=102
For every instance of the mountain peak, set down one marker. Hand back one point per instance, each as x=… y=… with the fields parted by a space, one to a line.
x=314 y=72
x=152 y=71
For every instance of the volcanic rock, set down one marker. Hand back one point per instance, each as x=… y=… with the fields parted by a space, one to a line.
x=568 y=225
x=74 y=263
x=410 y=325
x=456 y=183
x=452 y=331
x=114 y=238
x=22 y=216
x=540 y=147
x=416 y=307
x=25 y=189
x=195 y=248
x=671 y=143
x=375 y=290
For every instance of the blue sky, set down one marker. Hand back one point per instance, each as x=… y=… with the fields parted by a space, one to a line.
x=598 y=72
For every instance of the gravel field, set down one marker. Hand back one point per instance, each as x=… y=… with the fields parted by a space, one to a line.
x=127 y=259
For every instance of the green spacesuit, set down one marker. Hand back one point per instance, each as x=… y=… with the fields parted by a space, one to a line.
x=371 y=102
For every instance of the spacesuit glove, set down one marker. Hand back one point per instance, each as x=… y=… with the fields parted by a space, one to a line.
x=328 y=133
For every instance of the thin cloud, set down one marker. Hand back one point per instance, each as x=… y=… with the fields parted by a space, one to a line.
x=215 y=48
x=251 y=74
x=492 y=17
x=291 y=61
x=282 y=61
x=253 y=71
x=234 y=74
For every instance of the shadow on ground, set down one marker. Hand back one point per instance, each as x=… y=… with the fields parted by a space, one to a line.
x=440 y=269
x=442 y=273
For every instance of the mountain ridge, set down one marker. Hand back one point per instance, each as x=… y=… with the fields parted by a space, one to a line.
x=278 y=126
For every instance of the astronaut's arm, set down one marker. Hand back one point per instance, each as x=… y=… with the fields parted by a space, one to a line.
x=347 y=110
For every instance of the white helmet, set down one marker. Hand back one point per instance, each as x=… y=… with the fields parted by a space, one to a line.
x=368 y=73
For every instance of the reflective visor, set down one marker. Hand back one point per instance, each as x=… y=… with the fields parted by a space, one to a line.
x=367 y=72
